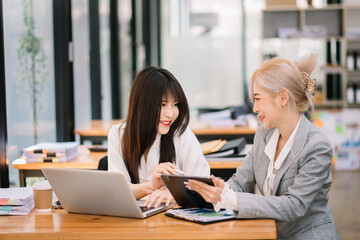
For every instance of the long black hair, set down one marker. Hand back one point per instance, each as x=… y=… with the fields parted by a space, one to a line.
x=148 y=89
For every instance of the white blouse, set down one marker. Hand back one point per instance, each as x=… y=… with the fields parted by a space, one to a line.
x=270 y=150
x=189 y=157
x=228 y=196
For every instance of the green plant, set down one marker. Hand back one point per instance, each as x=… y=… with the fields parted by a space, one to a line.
x=31 y=74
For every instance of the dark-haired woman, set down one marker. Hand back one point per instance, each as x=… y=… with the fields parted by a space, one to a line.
x=155 y=138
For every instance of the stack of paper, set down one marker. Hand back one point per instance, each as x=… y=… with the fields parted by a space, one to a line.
x=16 y=201
x=51 y=152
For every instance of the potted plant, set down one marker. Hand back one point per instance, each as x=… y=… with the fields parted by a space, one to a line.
x=31 y=74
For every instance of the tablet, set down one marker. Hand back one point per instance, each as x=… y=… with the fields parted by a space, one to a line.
x=184 y=197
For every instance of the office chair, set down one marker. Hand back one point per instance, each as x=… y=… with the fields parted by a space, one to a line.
x=103 y=164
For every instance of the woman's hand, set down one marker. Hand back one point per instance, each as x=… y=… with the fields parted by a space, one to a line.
x=162 y=168
x=157 y=196
x=211 y=194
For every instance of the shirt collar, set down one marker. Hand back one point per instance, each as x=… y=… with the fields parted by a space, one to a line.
x=271 y=146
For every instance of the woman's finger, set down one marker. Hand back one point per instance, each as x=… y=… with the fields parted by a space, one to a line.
x=169 y=167
x=167 y=164
x=168 y=200
x=209 y=193
x=170 y=170
x=159 y=201
x=199 y=187
x=164 y=170
x=217 y=182
x=148 y=192
x=152 y=199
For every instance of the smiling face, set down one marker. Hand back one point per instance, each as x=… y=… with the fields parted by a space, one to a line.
x=169 y=113
x=267 y=107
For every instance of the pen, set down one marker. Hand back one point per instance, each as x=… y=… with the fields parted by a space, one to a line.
x=179 y=172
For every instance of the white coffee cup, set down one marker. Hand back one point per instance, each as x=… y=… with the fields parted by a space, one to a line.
x=43 y=195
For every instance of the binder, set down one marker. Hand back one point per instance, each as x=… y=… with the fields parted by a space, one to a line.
x=231 y=147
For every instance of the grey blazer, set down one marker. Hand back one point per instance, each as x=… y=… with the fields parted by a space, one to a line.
x=299 y=201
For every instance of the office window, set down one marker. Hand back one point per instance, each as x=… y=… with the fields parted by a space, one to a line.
x=81 y=61
x=81 y=46
x=104 y=10
x=201 y=46
x=29 y=71
x=125 y=15
x=252 y=36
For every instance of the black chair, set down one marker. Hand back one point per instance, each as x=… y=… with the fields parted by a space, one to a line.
x=103 y=164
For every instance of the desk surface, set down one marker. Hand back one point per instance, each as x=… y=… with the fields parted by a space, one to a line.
x=62 y=225
x=101 y=128
x=96 y=127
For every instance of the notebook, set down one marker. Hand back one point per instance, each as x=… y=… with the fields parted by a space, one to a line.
x=194 y=207
x=97 y=192
x=201 y=215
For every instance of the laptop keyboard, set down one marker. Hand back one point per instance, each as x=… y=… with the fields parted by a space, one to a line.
x=144 y=209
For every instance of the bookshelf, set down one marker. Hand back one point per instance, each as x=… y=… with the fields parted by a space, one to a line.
x=333 y=33
x=352 y=36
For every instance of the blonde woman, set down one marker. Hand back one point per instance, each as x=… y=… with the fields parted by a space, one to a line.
x=290 y=160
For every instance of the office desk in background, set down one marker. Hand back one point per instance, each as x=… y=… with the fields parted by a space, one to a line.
x=62 y=225
x=90 y=160
x=85 y=160
x=96 y=131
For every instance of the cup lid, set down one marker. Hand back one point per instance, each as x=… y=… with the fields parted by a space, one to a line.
x=43 y=185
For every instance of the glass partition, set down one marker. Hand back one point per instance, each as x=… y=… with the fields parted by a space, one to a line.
x=201 y=46
x=104 y=11
x=29 y=67
x=81 y=62
x=125 y=14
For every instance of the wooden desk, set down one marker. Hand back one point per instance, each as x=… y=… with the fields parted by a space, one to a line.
x=88 y=160
x=62 y=225
x=97 y=130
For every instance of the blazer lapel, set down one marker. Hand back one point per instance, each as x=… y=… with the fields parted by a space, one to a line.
x=263 y=163
x=298 y=145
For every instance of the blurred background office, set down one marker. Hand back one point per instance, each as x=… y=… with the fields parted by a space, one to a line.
x=67 y=62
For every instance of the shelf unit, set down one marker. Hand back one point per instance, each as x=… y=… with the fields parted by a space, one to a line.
x=331 y=32
x=351 y=20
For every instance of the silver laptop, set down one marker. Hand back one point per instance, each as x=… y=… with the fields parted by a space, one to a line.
x=97 y=192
